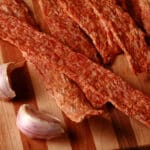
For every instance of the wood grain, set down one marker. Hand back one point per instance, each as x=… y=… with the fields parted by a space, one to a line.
x=103 y=133
x=141 y=82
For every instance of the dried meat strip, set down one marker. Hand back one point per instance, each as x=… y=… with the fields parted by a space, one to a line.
x=122 y=3
x=145 y=14
x=132 y=7
x=85 y=16
x=119 y=24
x=68 y=95
x=99 y=84
x=130 y=38
x=18 y=9
x=139 y=10
x=62 y=27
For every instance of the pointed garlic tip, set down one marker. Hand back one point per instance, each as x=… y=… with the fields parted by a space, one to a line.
x=38 y=125
x=6 y=91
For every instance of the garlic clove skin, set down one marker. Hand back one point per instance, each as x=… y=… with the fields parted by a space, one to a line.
x=6 y=91
x=38 y=125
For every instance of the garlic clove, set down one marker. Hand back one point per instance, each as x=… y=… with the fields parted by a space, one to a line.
x=6 y=91
x=38 y=125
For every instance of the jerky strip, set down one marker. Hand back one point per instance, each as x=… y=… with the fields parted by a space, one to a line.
x=145 y=14
x=99 y=84
x=18 y=9
x=124 y=32
x=68 y=95
x=62 y=27
x=132 y=7
x=85 y=16
x=130 y=38
x=139 y=10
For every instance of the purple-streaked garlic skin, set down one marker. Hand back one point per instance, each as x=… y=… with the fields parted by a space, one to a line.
x=38 y=125
x=6 y=91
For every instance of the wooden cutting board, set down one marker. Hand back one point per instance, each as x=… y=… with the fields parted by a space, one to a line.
x=112 y=132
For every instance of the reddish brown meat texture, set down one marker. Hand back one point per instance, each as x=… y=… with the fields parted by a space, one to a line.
x=86 y=17
x=122 y=3
x=139 y=10
x=98 y=84
x=120 y=25
x=18 y=9
x=145 y=14
x=68 y=95
x=132 y=7
x=62 y=27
